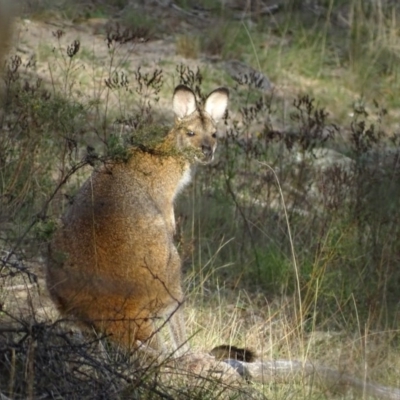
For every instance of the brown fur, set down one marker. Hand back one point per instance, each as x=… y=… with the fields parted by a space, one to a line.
x=113 y=264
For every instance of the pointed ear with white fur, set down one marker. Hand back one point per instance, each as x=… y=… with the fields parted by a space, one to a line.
x=183 y=101
x=216 y=103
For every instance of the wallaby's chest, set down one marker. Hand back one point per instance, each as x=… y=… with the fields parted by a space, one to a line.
x=185 y=180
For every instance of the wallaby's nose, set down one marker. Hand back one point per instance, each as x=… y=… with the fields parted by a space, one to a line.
x=207 y=150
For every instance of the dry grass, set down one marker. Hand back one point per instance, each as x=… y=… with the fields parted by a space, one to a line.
x=270 y=328
x=188 y=46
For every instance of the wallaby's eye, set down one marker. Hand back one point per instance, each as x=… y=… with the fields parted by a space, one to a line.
x=214 y=135
x=190 y=133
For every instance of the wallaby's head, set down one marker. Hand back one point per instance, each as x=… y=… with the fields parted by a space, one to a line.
x=195 y=128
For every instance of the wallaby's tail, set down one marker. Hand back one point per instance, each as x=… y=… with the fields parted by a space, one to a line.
x=225 y=352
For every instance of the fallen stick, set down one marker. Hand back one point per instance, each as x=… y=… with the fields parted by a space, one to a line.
x=285 y=371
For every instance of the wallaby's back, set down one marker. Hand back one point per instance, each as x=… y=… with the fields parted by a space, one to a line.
x=113 y=263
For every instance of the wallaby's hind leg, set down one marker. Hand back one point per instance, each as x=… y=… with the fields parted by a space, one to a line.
x=144 y=330
x=140 y=329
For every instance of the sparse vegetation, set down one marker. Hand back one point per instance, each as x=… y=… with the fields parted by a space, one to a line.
x=290 y=239
x=187 y=46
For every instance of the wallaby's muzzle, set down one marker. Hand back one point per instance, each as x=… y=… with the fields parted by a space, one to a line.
x=208 y=153
x=208 y=150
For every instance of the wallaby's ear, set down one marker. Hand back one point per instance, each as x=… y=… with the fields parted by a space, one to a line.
x=216 y=103
x=183 y=102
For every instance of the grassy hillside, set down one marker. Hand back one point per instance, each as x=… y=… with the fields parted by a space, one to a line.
x=290 y=239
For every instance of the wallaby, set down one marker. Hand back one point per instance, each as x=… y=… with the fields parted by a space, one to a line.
x=112 y=263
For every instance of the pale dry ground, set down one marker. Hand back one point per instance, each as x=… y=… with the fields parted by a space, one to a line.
x=213 y=318
x=95 y=62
